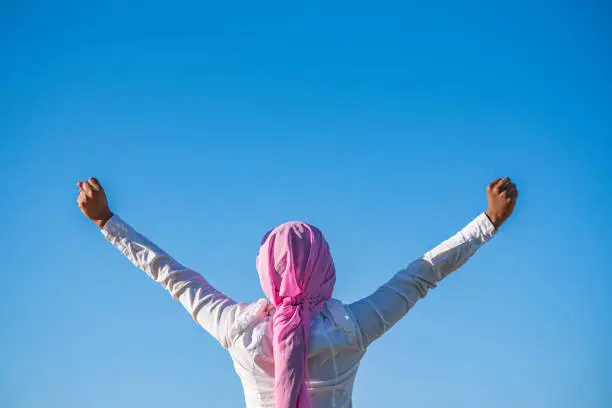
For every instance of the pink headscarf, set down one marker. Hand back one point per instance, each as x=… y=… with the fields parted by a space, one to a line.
x=297 y=274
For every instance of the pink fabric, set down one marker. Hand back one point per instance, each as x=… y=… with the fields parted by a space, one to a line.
x=297 y=274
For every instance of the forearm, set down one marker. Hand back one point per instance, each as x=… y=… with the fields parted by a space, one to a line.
x=149 y=258
x=210 y=308
x=387 y=305
x=451 y=254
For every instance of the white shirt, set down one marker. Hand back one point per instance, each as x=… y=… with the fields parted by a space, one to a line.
x=339 y=335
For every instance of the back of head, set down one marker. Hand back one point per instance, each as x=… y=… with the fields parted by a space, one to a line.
x=297 y=274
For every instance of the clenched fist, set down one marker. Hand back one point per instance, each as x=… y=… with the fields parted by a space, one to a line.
x=502 y=195
x=92 y=202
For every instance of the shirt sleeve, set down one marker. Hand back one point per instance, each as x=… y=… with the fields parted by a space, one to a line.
x=378 y=312
x=214 y=311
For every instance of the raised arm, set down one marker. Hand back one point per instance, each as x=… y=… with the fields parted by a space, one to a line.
x=209 y=307
x=378 y=312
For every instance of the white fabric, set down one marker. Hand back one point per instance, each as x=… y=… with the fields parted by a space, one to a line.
x=339 y=335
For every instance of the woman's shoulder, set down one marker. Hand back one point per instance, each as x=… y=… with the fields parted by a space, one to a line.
x=247 y=314
x=335 y=325
x=341 y=314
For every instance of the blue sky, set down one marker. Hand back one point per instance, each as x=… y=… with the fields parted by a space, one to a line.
x=380 y=123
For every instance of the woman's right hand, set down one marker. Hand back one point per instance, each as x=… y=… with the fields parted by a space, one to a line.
x=502 y=195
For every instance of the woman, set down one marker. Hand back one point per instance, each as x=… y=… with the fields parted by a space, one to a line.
x=300 y=348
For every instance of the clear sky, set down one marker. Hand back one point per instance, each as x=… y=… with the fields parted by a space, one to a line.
x=381 y=124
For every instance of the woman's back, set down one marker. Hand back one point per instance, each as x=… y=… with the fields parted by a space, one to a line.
x=335 y=350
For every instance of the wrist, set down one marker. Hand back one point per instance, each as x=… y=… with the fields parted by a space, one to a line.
x=103 y=219
x=496 y=220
